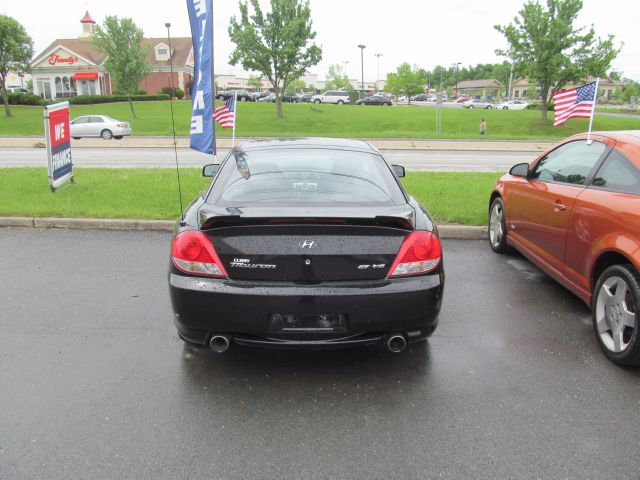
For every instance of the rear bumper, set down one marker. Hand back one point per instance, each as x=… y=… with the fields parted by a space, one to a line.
x=242 y=309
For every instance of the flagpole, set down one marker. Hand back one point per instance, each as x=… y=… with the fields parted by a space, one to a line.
x=593 y=111
x=235 y=118
x=213 y=86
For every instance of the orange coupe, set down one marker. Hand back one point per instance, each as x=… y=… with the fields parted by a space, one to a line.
x=575 y=213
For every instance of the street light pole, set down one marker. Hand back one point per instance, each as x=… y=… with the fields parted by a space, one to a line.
x=362 y=47
x=457 y=64
x=344 y=68
x=378 y=55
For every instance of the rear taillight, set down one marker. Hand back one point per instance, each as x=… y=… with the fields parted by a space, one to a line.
x=419 y=253
x=122 y=125
x=193 y=252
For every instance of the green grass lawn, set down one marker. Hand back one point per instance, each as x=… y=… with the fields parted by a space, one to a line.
x=258 y=120
x=153 y=193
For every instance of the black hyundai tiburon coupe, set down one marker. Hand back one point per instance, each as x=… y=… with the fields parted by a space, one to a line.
x=305 y=243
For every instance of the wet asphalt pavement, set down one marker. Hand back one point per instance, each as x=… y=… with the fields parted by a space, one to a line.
x=94 y=382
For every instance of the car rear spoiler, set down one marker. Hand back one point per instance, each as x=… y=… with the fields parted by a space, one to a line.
x=402 y=216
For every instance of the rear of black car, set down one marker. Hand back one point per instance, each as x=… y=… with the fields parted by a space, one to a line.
x=305 y=244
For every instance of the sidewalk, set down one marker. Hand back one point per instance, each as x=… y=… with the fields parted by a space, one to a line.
x=225 y=143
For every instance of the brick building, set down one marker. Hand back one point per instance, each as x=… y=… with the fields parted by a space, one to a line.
x=70 y=67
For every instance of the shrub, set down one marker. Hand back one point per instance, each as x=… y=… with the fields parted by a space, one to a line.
x=90 y=99
x=538 y=106
x=24 y=99
x=175 y=92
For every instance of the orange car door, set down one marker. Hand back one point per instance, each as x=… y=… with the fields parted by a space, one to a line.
x=606 y=217
x=539 y=209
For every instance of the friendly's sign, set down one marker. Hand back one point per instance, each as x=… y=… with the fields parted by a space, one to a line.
x=58 y=136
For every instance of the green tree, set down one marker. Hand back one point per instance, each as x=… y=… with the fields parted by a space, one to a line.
x=336 y=79
x=551 y=51
x=127 y=60
x=255 y=81
x=16 y=50
x=276 y=44
x=406 y=81
x=295 y=86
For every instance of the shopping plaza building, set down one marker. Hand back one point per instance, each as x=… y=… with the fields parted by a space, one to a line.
x=74 y=66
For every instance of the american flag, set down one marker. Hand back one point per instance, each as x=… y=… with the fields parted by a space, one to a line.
x=225 y=114
x=574 y=103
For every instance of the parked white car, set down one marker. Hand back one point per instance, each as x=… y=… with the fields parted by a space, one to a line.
x=99 y=126
x=512 y=105
x=332 y=96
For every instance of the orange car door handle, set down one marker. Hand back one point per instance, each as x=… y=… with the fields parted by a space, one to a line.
x=558 y=206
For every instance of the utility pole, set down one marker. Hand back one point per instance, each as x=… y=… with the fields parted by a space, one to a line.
x=378 y=55
x=510 y=79
x=362 y=47
x=457 y=65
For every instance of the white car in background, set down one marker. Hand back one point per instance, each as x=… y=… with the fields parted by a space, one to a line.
x=337 y=97
x=512 y=105
x=101 y=126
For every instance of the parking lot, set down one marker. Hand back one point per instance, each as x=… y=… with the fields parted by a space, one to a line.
x=94 y=382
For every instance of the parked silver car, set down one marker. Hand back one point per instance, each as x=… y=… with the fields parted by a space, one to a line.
x=99 y=126
x=476 y=104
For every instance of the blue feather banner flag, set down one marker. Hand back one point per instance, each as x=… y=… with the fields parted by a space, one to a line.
x=202 y=136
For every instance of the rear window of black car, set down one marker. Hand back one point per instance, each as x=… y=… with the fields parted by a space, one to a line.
x=308 y=176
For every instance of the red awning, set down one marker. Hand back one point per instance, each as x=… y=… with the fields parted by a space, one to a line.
x=85 y=76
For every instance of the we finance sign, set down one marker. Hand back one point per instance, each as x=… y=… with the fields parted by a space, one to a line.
x=58 y=137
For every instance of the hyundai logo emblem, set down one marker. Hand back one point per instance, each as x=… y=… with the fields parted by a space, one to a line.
x=307 y=244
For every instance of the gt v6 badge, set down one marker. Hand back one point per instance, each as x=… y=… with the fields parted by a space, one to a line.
x=246 y=263
x=374 y=266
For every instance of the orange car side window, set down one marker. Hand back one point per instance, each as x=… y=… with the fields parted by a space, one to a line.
x=571 y=163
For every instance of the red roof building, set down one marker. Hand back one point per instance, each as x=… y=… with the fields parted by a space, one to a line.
x=74 y=66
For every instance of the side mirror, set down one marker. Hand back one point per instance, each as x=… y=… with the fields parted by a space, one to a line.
x=520 y=170
x=398 y=170
x=210 y=170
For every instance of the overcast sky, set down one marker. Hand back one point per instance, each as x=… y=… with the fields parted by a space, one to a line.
x=415 y=31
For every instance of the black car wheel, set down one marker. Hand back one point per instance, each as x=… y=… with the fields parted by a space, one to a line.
x=362 y=104
x=616 y=300
x=118 y=137
x=505 y=108
x=470 y=107
x=497 y=227
x=340 y=102
x=317 y=101
x=106 y=134
x=488 y=107
x=220 y=97
x=76 y=138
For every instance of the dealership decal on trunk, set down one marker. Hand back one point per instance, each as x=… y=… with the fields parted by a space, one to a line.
x=246 y=263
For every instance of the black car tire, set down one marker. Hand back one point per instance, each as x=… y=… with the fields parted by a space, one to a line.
x=220 y=97
x=609 y=312
x=317 y=101
x=362 y=104
x=388 y=104
x=488 y=107
x=106 y=134
x=118 y=137
x=497 y=232
x=505 y=108
x=340 y=102
x=470 y=107
x=76 y=138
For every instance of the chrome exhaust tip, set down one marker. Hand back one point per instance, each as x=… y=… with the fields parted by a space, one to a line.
x=396 y=343
x=219 y=343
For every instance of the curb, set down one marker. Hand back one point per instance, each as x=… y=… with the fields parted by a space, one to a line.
x=454 y=232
